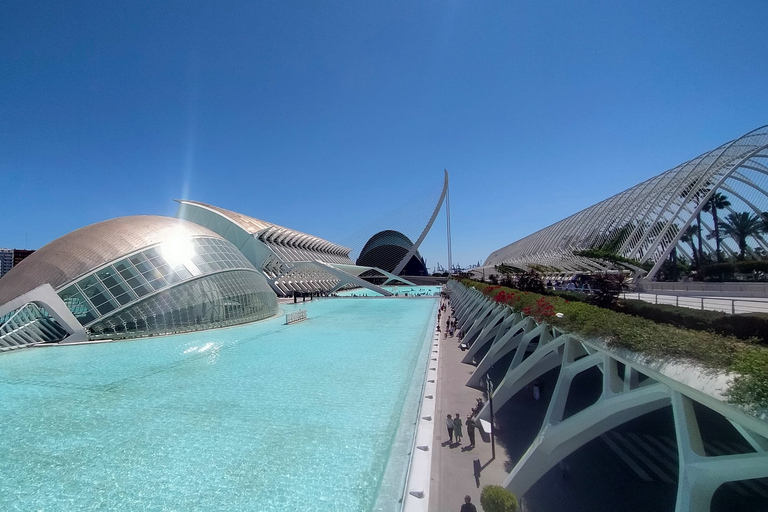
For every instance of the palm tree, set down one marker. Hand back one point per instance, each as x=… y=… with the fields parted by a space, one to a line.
x=741 y=226
x=694 y=195
x=688 y=237
x=716 y=201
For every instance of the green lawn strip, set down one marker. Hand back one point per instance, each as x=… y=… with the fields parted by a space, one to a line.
x=714 y=351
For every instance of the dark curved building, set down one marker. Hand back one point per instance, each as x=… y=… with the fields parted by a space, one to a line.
x=386 y=249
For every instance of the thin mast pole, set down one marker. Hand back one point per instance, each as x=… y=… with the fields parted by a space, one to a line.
x=448 y=225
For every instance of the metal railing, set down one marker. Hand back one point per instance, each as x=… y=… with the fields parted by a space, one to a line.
x=296 y=316
x=726 y=305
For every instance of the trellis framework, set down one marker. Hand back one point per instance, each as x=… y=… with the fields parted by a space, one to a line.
x=647 y=221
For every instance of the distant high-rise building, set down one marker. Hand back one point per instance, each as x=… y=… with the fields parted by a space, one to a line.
x=6 y=261
x=9 y=258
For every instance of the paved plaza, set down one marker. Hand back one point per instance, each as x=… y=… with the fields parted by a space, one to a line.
x=456 y=470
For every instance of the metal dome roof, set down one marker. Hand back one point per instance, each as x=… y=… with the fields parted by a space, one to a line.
x=87 y=248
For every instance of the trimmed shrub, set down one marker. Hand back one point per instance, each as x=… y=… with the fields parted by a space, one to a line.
x=619 y=330
x=572 y=296
x=743 y=326
x=718 y=272
x=495 y=498
x=726 y=271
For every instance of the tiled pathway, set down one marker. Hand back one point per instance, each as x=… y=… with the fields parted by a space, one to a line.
x=457 y=472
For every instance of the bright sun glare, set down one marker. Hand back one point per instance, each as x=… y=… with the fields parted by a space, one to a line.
x=177 y=251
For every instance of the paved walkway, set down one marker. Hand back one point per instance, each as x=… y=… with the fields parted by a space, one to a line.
x=456 y=471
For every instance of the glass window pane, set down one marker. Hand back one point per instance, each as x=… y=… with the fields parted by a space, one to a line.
x=105 y=273
x=118 y=289
x=157 y=284
x=151 y=274
x=151 y=253
x=86 y=317
x=87 y=282
x=144 y=266
x=183 y=273
x=172 y=278
x=124 y=299
x=106 y=308
x=122 y=265
x=95 y=289
x=135 y=282
x=68 y=292
x=110 y=281
x=136 y=258
x=98 y=299
x=164 y=269
x=142 y=290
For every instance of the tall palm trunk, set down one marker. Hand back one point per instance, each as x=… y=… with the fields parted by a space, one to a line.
x=717 y=232
x=693 y=253
x=698 y=232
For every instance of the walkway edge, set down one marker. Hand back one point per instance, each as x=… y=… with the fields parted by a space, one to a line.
x=416 y=494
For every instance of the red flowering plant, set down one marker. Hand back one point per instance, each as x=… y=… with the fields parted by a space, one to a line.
x=530 y=304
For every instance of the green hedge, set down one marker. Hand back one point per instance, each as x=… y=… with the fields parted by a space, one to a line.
x=744 y=326
x=659 y=340
x=726 y=271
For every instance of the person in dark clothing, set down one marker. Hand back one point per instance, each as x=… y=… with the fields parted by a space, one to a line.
x=471 y=430
x=468 y=506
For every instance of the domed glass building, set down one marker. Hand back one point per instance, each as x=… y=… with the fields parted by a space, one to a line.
x=130 y=277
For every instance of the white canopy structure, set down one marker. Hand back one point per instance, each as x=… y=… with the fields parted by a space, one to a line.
x=291 y=261
x=646 y=222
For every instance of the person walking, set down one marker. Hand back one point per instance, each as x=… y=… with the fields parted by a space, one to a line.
x=471 y=431
x=449 y=424
x=457 y=428
x=468 y=506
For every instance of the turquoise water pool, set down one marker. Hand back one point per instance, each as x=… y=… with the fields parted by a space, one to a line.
x=313 y=416
x=402 y=291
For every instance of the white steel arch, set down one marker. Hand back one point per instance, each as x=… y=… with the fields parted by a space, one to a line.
x=646 y=222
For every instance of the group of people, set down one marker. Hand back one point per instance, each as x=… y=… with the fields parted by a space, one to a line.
x=450 y=325
x=454 y=424
x=455 y=429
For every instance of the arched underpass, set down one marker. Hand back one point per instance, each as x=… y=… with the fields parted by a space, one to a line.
x=606 y=432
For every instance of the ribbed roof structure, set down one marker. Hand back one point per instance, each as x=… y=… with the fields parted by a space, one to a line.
x=646 y=221
x=273 y=234
x=386 y=249
x=87 y=248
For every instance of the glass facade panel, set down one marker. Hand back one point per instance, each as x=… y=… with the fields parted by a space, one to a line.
x=147 y=273
x=124 y=298
x=105 y=308
x=110 y=282
x=118 y=289
x=135 y=282
x=217 y=300
x=144 y=266
x=142 y=290
x=183 y=273
x=158 y=284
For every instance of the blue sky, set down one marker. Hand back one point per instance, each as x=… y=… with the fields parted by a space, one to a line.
x=318 y=115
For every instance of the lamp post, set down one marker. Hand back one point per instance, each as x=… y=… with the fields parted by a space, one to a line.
x=489 y=386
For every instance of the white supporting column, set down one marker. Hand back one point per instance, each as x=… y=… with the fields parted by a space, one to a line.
x=700 y=476
x=512 y=326
x=558 y=440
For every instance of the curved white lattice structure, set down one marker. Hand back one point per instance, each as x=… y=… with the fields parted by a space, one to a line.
x=647 y=221
x=291 y=261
